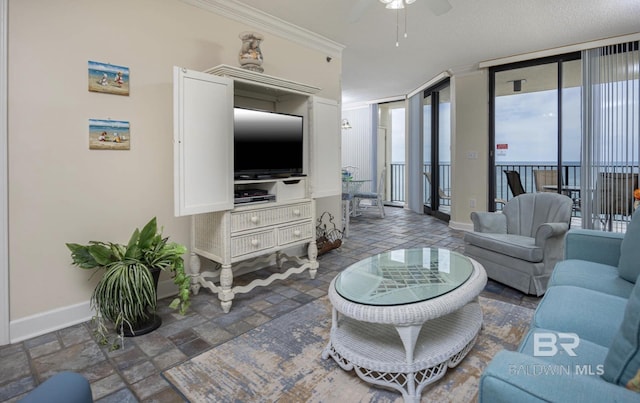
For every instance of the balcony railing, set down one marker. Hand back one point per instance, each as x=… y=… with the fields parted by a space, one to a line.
x=397 y=181
x=570 y=175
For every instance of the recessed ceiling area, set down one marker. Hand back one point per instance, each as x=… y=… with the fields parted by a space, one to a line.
x=471 y=32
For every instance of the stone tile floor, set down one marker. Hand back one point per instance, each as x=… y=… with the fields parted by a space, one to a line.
x=133 y=374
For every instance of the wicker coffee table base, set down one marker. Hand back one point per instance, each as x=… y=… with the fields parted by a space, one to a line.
x=378 y=355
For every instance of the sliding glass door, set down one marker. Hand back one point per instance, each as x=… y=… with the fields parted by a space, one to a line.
x=535 y=128
x=437 y=150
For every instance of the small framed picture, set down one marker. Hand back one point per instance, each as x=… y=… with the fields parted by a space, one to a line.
x=108 y=78
x=109 y=135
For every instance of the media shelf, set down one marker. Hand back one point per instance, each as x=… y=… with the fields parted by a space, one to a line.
x=271 y=190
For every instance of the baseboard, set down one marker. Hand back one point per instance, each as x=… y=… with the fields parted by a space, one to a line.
x=45 y=322
x=461 y=226
x=56 y=319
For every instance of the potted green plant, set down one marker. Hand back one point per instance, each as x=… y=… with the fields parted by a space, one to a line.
x=126 y=294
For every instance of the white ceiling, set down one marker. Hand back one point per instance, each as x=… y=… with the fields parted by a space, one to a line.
x=471 y=32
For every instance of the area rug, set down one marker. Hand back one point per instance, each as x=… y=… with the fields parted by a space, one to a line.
x=281 y=361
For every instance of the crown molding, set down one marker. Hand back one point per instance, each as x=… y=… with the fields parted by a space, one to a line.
x=577 y=47
x=433 y=81
x=245 y=14
x=460 y=71
x=249 y=76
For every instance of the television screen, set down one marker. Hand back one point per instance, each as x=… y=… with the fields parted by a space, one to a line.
x=267 y=142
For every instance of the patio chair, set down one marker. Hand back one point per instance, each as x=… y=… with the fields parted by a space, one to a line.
x=441 y=194
x=376 y=198
x=549 y=178
x=514 y=182
x=615 y=196
x=545 y=177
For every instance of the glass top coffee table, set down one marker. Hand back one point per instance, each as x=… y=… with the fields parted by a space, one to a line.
x=402 y=317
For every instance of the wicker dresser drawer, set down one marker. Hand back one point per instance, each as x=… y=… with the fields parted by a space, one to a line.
x=295 y=233
x=257 y=241
x=258 y=218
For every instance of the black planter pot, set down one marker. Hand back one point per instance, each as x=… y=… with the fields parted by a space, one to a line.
x=154 y=320
x=152 y=324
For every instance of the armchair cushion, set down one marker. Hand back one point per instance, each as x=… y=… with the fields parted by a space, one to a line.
x=489 y=222
x=518 y=246
x=623 y=360
x=629 y=263
x=365 y=195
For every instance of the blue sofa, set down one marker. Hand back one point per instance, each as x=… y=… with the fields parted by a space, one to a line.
x=584 y=341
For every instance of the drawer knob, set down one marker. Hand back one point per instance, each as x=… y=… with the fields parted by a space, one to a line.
x=254 y=219
x=255 y=242
x=296 y=233
x=296 y=212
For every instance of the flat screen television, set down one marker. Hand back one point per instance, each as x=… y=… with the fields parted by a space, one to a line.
x=266 y=143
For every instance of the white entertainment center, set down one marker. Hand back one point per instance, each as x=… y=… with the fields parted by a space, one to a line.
x=229 y=227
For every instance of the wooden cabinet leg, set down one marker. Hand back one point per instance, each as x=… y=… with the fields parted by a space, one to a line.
x=279 y=260
x=312 y=253
x=226 y=293
x=194 y=272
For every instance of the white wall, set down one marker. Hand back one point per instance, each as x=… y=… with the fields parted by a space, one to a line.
x=470 y=134
x=356 y=142
x=470 y=129
x=59 y=190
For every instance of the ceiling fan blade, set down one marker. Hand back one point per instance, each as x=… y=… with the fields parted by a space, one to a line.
x=359 y=9
x=439 y=7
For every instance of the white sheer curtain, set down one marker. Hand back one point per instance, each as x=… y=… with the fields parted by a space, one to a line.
x=415 y=160
x=611 y=135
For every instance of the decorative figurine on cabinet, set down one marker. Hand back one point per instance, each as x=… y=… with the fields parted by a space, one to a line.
x=250 y=54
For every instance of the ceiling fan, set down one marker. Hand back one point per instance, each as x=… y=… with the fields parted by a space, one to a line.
x=437 y=7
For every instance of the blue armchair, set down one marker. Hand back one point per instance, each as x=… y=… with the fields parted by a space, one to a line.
x=63 y=387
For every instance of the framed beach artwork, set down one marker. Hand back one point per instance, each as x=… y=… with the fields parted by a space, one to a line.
x=109 y=135
x=108 y=78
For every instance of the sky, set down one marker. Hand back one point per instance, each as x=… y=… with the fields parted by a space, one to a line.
x=527 y=123
x=526 y=127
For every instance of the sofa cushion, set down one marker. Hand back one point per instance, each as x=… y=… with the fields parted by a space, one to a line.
x=518 y=246
x=629 y=263
x=593 y=315
x=591 y=275
x=623 y=360
x=586 y=352
x=516 y=377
